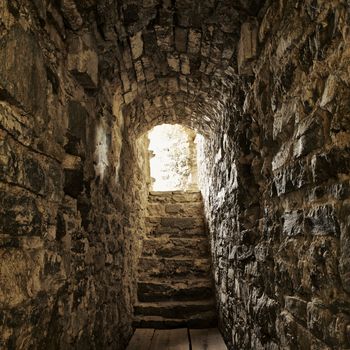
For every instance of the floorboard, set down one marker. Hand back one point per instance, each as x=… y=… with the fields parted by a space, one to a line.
x=141 y=340
x=170 y=339
x=207 y=339
x=177 y=339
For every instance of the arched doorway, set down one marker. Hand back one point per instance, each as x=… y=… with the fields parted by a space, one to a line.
x=174 y=277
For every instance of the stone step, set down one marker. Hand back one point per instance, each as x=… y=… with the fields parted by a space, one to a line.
x=173 y=268
x=158 y=290
x=174 y=309
x=175 y=232
x=180 y=223
x=176 y=247
x=205 y=319
x=195 y=209
x=175 y=197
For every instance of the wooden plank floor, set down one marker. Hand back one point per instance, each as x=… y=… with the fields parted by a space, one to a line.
x=176 y=339
x=207 y=339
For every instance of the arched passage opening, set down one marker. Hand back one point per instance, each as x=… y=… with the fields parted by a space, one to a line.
x=226 y=181
x=174 y=281
x=173 y=158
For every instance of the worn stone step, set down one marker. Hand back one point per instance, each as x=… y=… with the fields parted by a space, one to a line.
x=160 y=290
x=175 y=197
x=167 y=247
x=180 y=223
x=173 y=268
x=194 y=209
x=175 y=232
x=205 y=319
x=174 y=309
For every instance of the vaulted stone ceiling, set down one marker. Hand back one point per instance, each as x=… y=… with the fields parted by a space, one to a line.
x=177 y=58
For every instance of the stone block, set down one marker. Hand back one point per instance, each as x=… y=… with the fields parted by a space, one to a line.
x=155 y=209
x=181 y=39
x=265 y=25
x=282 y=157
x=323 y=168
x=21 y=277
x=140 y=76
x=293 y=223
x=71 y=162
x=293 y=335
x=20 y=165
x=247 y=47
x=127 y=58
x=136 y=44
x=185 y=65
x=178 y=268
x=291 y=177
x=297 y=307
x=83 y=61
x=23 y=77
x=194 y=290
x=41 y=8
x=173 y=208
x=322 y=221
x=173 y=85
x=309 y=136
x=194 y=41
x=180 y=223
x=129 y=97
x=329 y=90
x=284 y=121
x=20 y=215
x=328 y=327
x=71 y=14
x=34 y=175
x=165 y=38
x=175 y=247
x=174 y=62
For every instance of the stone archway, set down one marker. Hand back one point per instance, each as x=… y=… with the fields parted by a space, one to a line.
x=265 y=81
x=174 y=280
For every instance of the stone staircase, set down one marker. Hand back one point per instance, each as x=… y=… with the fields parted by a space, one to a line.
x=174 y=286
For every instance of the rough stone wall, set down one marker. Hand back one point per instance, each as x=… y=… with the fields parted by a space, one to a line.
x=80 y=79
x=68 y=204
x=278 y=197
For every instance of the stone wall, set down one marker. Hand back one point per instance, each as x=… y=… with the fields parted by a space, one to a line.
x=69 y=207
x=277 y=200
x=266 y=82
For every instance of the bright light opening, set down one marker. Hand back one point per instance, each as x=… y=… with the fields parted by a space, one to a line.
x=173 y=158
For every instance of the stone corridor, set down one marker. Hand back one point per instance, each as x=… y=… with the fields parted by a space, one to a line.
x=266 y=83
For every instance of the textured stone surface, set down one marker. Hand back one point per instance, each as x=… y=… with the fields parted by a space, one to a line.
x=81 y=80
x=247 y=47
x=279 y=239
x=83 y=61
x=15 y=44
x=64 y=243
